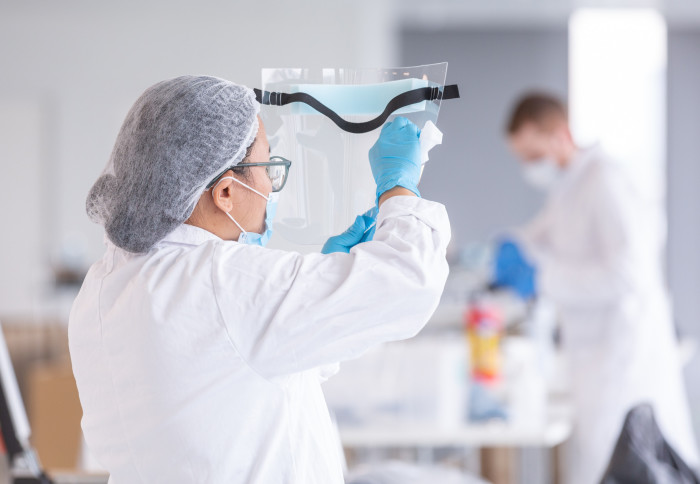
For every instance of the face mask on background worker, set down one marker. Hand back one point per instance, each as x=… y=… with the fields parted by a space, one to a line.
x=543 y=153
x=542 y=173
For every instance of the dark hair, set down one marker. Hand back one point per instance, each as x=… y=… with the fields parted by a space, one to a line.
x=242 y=170
x=536 y=107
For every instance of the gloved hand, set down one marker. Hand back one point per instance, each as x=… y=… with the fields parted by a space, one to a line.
x=395 y=157
x=512 y=270
x=360 y=231
x=370 y=217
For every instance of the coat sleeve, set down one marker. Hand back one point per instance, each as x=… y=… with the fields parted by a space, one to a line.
x=287 y=312
x=606 y=272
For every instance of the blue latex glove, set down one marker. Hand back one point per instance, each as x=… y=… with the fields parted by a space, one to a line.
x=360 y=231
x=370 y=217
x=395 y=157
x=512 y=270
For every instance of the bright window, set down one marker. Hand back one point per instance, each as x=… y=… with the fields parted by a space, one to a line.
x=618 y=88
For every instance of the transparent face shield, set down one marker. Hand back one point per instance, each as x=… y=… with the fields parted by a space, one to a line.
x=325 y=121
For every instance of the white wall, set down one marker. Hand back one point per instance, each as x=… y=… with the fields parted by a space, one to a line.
x=530 y=13
x=472 y=172
x=20 y=156
x=683 y=194
x=81 y=64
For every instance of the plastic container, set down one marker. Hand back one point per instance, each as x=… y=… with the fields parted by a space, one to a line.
x=484 y=325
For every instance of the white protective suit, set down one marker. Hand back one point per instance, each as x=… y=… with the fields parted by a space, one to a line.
x=599 y=246
x=202 y=360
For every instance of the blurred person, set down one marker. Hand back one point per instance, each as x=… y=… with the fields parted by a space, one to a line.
x=597 y=248
x=198 y=353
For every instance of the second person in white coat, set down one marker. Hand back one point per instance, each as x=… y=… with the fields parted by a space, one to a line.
x=598 y=246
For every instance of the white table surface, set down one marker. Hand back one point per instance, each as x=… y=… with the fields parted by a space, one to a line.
x=555 y=431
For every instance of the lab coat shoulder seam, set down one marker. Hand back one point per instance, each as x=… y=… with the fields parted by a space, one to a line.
x=416 y=211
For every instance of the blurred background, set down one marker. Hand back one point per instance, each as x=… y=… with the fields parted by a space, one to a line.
x=72 y=69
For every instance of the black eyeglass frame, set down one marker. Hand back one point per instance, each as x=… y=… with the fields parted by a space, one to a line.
x=274 y=161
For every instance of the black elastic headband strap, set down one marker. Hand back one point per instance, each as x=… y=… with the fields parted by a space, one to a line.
x=401 y=101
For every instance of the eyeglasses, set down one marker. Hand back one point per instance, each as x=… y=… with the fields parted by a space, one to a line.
x=277 y=170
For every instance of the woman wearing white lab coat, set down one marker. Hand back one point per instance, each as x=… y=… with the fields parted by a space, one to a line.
x=200 y=359
x=598 y=245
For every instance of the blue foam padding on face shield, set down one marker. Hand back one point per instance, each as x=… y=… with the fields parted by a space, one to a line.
x=358 y=99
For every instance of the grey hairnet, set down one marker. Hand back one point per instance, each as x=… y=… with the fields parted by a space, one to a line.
x=176 y=138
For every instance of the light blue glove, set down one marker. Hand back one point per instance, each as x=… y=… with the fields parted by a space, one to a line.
x=395 y=157
x=512 y=270
x=370 y=217
x=360 y=231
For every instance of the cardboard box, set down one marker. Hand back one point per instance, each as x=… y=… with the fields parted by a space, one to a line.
x=42 y=365
x=54 y=415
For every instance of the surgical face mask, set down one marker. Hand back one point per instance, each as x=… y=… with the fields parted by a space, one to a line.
x=542 y=173
x=254 y=238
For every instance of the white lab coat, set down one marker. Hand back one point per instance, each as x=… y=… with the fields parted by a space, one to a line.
x=599 y=247
x=202 y=360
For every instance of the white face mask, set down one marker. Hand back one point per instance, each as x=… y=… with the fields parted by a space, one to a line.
x=542 y=173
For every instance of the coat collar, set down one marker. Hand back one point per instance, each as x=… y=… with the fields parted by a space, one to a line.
x=578 y=164
x=187 y=234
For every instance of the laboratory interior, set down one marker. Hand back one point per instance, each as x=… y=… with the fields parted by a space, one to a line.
x=560 y=137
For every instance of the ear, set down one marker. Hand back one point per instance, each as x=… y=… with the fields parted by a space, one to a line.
x=222 y=193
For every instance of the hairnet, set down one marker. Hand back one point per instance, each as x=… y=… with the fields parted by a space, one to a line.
x=179 y=135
